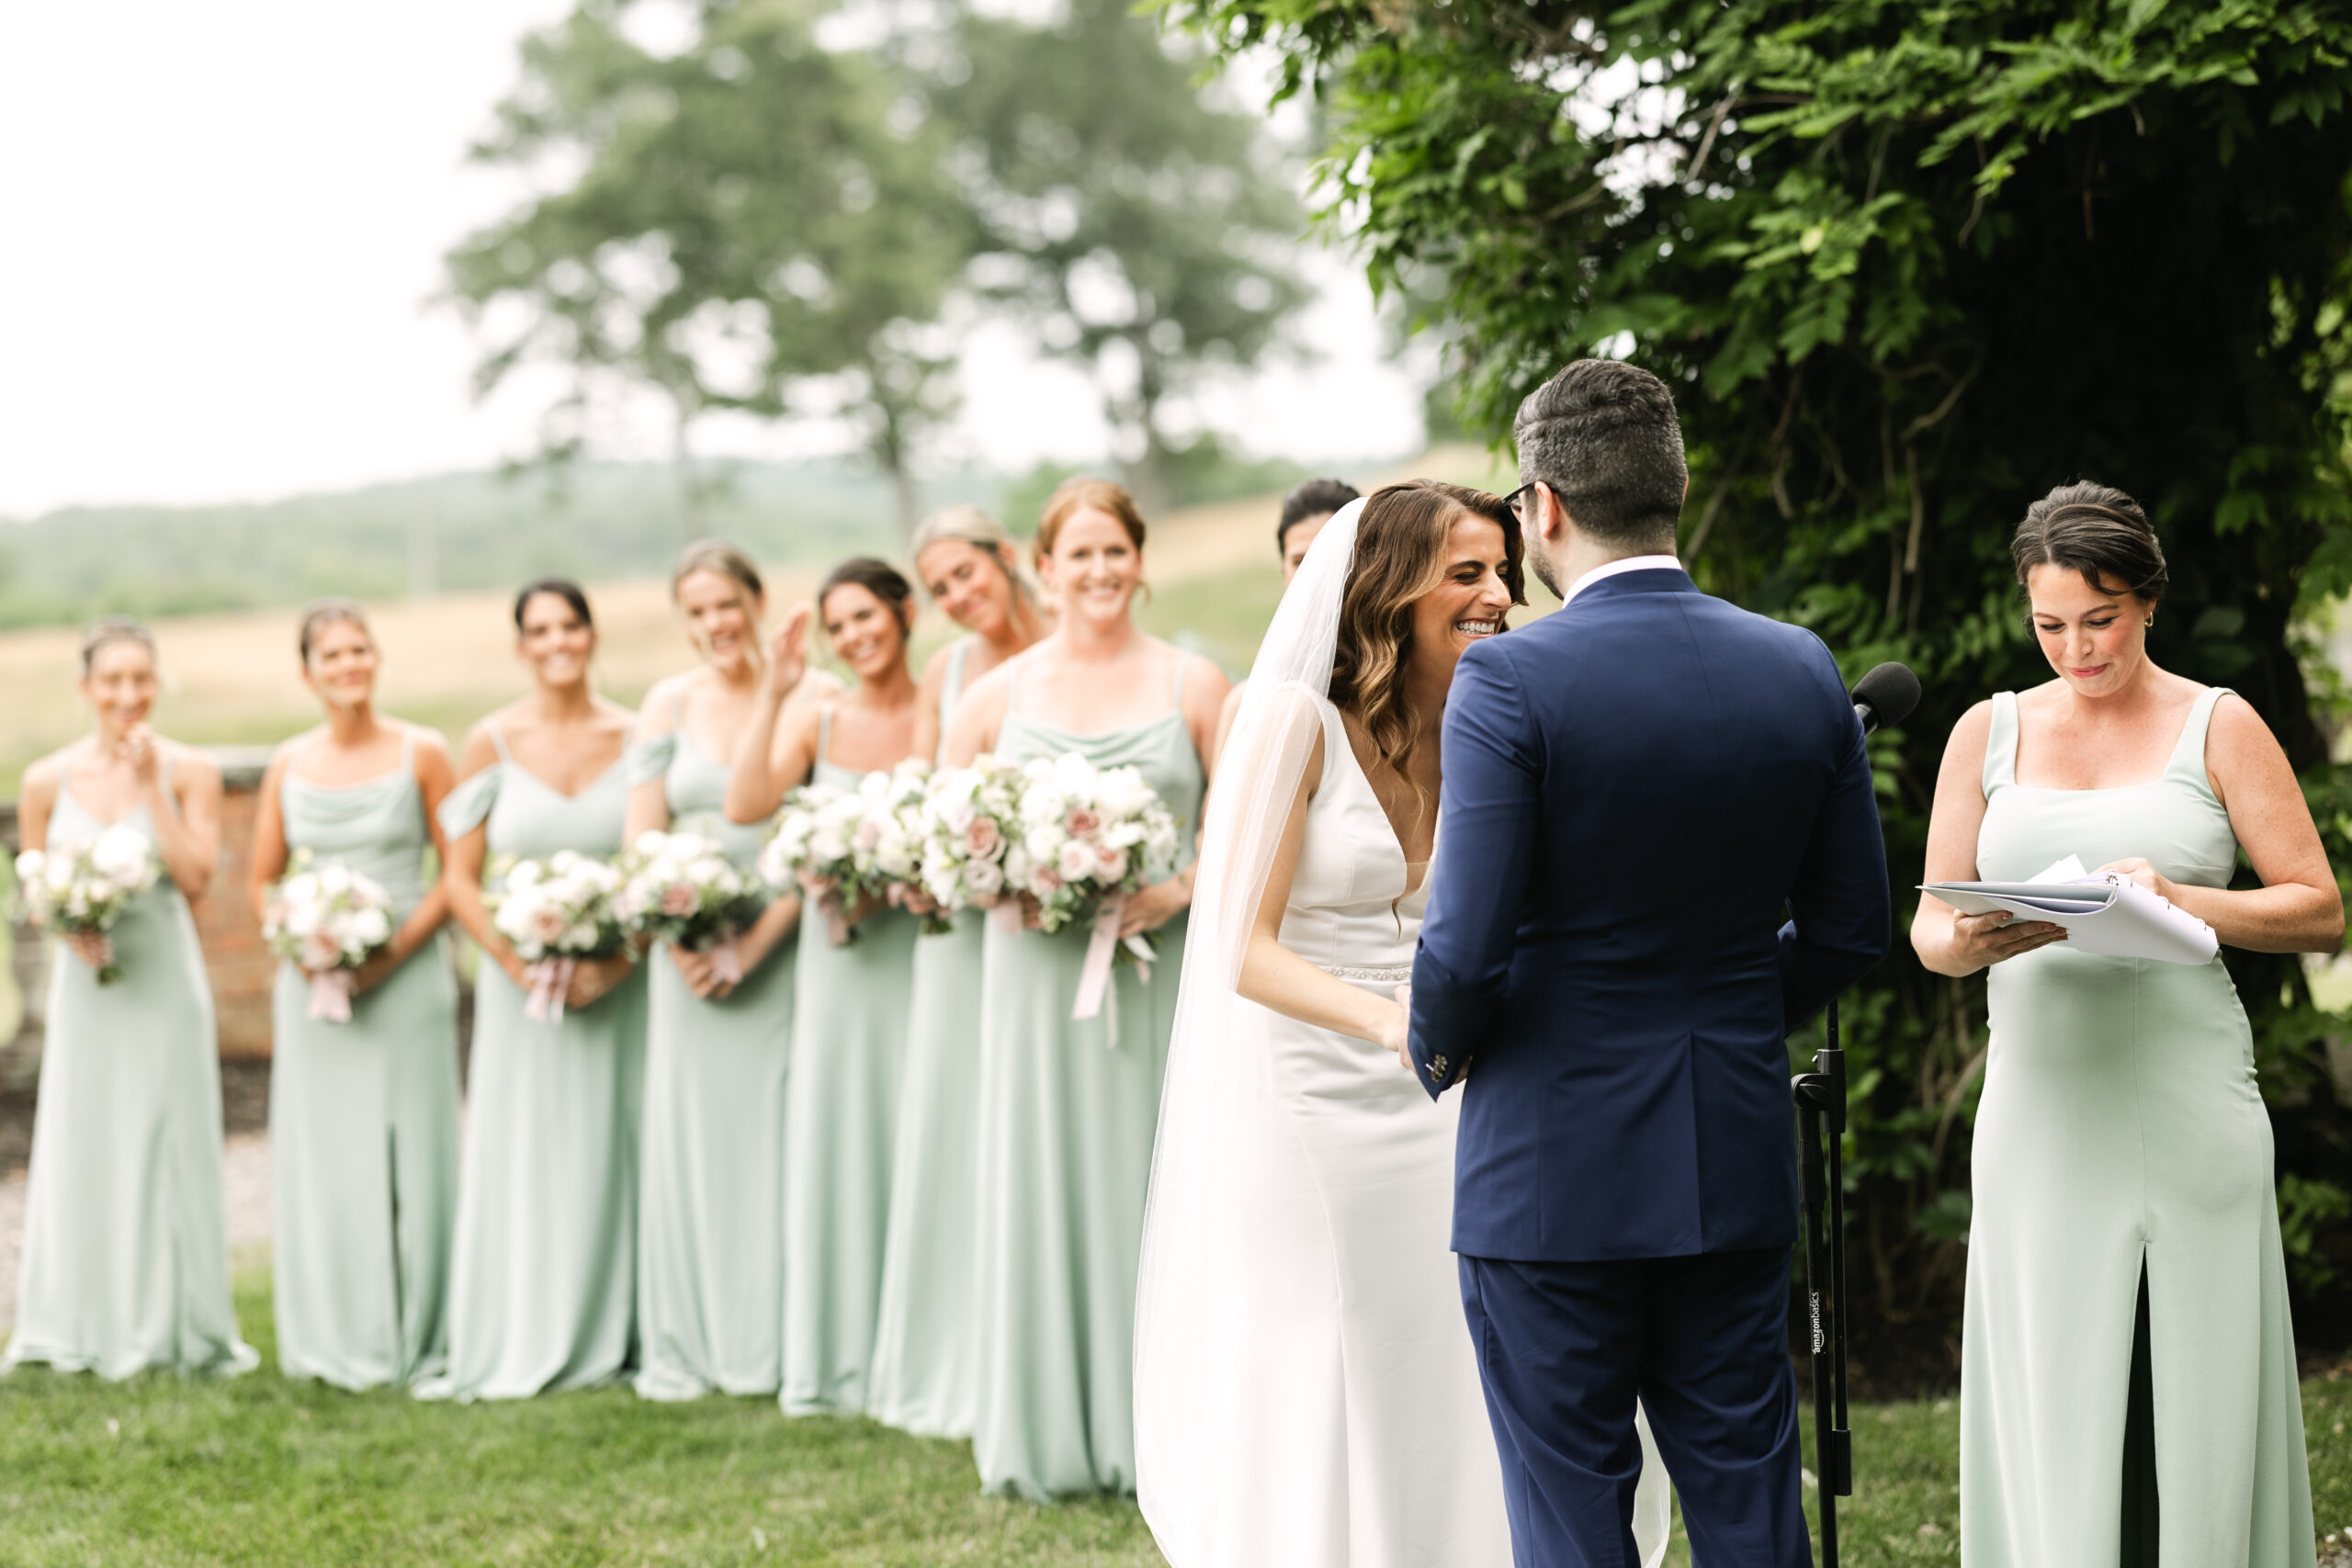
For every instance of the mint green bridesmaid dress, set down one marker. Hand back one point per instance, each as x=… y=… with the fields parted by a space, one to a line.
x=1068 y=1112
x=126 y=1251
x=543 y=1288
x=363 y=1117
x=2121 y=1146
x=710 y=1227
x=849 y=1038
x=926 y=1374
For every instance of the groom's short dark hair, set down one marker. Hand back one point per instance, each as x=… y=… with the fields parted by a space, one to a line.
x=1604 y=434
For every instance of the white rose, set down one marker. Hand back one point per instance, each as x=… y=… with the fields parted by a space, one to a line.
x=1077 y=860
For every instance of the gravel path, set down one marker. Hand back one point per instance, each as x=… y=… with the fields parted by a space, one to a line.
x=246 y=1174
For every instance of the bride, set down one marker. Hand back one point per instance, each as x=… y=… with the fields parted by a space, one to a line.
x=1305 y=1391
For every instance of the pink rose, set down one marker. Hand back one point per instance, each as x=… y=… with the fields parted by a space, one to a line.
x=1077 y=860
x=546 y=924
x=1113 y=864
x=869 y=833
x=1080 y=822
x=1046 y=879
x=981 y=839
x=678 y=899
x=318 y=952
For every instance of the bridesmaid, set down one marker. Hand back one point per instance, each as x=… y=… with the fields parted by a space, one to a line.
x=849 y=1035
x=543 y=1289
x=710 y=1238
x=2128 y=1362
x=1067 y=1109
x=925 y=1358
x=363 y=1114
x=126 y=1252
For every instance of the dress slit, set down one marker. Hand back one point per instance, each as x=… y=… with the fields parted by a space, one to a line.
x=2140 y=1503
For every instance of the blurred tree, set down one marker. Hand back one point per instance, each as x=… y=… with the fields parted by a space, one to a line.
x=1909 y=267
x=754 y=222
x=1145 y=233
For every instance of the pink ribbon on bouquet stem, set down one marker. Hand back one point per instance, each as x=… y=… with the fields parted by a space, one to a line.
x=727 y=958
x=1103 y=946
x=836 y=917
x=331 y=992
x=1006 y=912
x=549 y=978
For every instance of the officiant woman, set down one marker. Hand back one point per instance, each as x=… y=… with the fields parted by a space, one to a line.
x=2128 y=1367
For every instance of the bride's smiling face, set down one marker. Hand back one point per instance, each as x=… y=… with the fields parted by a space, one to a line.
x=1468 y=603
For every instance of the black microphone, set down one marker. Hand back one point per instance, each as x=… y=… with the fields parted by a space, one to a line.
x=1886 y=696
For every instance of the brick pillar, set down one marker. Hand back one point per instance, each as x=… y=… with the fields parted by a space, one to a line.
x=241 y=967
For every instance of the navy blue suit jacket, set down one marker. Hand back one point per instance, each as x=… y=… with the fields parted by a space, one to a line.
x=1639 y=791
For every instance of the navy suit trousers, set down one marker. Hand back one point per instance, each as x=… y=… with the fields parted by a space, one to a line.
x=1564 y=1349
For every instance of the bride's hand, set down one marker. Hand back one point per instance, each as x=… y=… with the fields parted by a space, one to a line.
x=1396 y=1032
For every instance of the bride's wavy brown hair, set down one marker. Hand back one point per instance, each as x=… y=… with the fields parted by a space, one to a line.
x=1401 y=556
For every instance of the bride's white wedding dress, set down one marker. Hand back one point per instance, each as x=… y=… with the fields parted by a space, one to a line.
x=1333 y=1418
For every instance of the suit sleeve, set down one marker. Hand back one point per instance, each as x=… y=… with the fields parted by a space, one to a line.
x=1843 y=913
x=1487 y=819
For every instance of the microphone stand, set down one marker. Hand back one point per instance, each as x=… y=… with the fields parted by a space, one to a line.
x=1820 y=1097
x=1885 y=696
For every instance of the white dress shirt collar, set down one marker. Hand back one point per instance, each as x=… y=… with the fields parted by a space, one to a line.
x=1613 y=568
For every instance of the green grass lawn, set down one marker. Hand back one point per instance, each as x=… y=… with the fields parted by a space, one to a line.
x=259 y=1470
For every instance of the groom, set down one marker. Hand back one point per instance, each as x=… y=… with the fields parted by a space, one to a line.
x=1640 y=790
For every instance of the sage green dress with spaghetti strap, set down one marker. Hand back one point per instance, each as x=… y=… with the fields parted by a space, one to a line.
x=543 y=1288
x=1068 y=1112
x=126 y=1251
x=926 y=1373
x=2122 y=1146
x=363 y=1116
x=710 y=1229
x=849 y=1040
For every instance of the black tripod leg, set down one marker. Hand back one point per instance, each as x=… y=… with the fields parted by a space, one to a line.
x=1819 y=1307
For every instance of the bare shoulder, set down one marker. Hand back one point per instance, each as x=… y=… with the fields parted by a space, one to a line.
x=659 y=713
x=39 y=783
x=614 y=718
x=2235 y=724
x=1205 y=682
x=481 y=748
x=934 y=669
x=191 y=768
x=1965 y=751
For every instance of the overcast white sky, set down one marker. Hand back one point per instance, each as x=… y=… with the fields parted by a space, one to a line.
x=221 y=227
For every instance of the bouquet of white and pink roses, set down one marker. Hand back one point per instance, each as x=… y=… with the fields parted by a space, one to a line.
x=844 y=847
x=1089 y=836
x=327 y=920
x=682 y=889
x=81 y=889
x=557 y=912
x=971 y=816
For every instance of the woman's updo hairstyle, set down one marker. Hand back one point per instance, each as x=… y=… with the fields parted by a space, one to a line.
x=880 y=578
x=562 y=588
x=2096 y=531
x=970 y=526
x=721 y=560
x=1076 y=495
x=321 y=614
x=114 y=628
x=1310 y=498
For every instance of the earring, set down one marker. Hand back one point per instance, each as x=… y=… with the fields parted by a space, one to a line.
x=2149 y=622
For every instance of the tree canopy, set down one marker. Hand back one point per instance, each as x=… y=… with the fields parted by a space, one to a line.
x=1909 y=267
x=770 y=221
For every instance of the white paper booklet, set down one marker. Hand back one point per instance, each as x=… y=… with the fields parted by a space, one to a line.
x=2112 y=916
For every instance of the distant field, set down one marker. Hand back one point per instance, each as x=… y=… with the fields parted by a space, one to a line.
x=234 y=678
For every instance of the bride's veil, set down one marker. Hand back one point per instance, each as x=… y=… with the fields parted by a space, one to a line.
x=1197 y=1229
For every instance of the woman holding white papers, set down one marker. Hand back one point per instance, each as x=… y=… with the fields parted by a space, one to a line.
x=2127 y=1335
